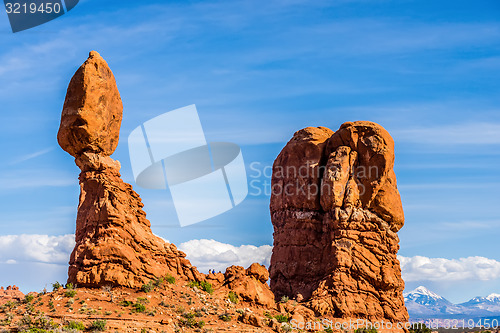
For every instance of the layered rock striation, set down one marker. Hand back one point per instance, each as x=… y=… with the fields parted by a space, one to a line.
x=336 y=211
x=114 y=242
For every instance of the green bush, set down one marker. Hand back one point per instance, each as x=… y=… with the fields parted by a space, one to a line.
x=28 y=298
x=138 y=307
x=367 y=330
x=70 y=293
x=225 y=317
x=56 y=286
x=419 y=328
x=126 y=303
x=193 y=284
x=75 y=325
x=233 y=297
x=206 y=286
x=148 y=287
x=191 y=323
x=98 y=325
x=284 y=299
x=170 y=279
x=281 y=318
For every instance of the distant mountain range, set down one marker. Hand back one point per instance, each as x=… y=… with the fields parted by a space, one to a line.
x=425 y=304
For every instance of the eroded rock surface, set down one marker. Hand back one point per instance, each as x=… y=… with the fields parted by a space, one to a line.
x=10 y=294
x=114 y=242
x=250 y=284
x=336 y=211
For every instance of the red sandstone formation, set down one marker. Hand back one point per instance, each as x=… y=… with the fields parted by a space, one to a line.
x=336 y=209
x=10 y=294
x=250 y=284
x=114 y=242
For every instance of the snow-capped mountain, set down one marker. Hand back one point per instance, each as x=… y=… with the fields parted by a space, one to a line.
x=489 y=303
x=423 y=303
x=424 y=296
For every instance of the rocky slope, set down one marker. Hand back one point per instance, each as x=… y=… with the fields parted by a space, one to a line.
x=336 y=211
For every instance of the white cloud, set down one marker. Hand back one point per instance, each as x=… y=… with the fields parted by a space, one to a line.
x=420 y=268
x=36 y=248
x=209 y=254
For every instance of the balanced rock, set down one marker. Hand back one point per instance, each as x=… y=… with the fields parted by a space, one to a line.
x=92 y=111
x=336 y=210
x=114 y=242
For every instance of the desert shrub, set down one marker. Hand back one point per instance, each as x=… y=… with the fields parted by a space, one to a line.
x=70 y=293
x=170 y=279
x=98 y=325
x=281 y=318
x=191 y=322
x=75 y=325
x=206 y=286
x=28 y=298
x=158 y=282
x=419 y=328
x=142 y=300
x=126 y=303
x=233 y=297
x=284 y=299
x=148 y=287
x=56 y=286
x=193 y=284
x=366 y=330
x=225 y=317
x=139 y=307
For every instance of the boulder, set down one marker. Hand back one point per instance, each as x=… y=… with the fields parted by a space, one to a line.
x=92 y=112
x=250 y=285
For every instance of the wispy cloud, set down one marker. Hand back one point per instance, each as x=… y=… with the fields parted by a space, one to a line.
x=455 y=134
x=30 y=156
x=420 y=268
x=24 y=179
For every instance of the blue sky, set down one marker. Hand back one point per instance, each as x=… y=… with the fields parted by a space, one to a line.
x=258 y=71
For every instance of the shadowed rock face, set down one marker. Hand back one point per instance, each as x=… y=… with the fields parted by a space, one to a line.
x=114 y=242
x=336 y=209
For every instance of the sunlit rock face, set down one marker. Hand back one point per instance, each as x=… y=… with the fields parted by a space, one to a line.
x=336 y=210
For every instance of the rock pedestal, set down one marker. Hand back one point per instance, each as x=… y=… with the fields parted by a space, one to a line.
x=336 y=211
x=114 y=242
